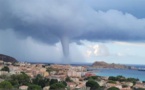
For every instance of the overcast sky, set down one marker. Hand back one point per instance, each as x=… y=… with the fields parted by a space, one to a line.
x=96 y=30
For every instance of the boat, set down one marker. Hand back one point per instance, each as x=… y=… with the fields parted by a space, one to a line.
x=141 y=69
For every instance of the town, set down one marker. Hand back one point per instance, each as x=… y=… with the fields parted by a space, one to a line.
x=27 y=76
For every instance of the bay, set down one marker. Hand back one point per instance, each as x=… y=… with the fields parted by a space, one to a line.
x=124 y=72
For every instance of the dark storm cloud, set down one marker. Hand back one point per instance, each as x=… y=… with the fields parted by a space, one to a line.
x=49 y=20
x=30 y=25
x=135 y=7
x=44 y=20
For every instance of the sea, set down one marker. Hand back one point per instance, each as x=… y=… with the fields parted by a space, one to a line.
x=124 y=72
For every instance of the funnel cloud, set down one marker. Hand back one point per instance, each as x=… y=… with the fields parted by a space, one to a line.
x=65 y=45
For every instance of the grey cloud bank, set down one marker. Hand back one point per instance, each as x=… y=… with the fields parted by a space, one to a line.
x=51 y=21
x=73 y=18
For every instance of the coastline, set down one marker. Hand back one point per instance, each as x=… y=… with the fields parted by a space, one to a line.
x=129 y=73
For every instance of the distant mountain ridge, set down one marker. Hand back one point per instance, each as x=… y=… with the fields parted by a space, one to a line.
x=7 y=58
x=102 y=64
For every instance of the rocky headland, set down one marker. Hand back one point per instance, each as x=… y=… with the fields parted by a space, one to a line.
x=102 y=64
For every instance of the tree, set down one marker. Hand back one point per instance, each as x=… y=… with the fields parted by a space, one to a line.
x=102 y=88
x=41 y=81
x=6 y=85
x=110 y=81
x=68 y=79
x=34 y=87
x=53 y=81
x=121 y=78
x=113 y=88
x=20 y=79
x=49 y=69
x=92 y=84
x=95 y=77
x=14 y=83
x=5 y=68
x=5 y=77
x=64 y=83
x=132 y=79
x=57 y=86
x=117 y=78
x=112 y=78
x=139 y=89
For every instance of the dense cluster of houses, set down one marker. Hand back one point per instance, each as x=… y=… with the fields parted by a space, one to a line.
x=60 y=72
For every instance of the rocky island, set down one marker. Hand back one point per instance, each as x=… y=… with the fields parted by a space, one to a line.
x=102 y=64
